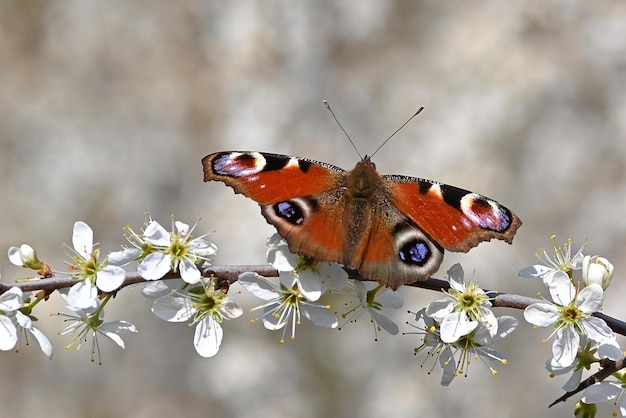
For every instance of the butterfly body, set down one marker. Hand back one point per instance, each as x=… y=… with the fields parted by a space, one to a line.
x=391 y=228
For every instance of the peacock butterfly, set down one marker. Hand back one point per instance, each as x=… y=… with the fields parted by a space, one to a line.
x=391 y=228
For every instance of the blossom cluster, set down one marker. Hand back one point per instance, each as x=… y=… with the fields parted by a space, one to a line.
x=577 y=284
x=461 y=327
x=454 y=330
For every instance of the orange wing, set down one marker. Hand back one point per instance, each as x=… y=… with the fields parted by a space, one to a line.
x=456 y=219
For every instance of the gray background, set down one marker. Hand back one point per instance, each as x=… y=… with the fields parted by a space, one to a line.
x=106 y=109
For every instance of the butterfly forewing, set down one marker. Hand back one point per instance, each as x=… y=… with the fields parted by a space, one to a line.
x=456 y=218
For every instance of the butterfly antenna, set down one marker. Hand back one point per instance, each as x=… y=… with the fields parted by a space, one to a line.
x=344 y=131
x=398 y=130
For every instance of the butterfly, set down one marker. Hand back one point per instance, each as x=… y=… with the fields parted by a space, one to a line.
x=391 y=228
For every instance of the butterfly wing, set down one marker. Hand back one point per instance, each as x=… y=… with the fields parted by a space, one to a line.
x=397 y=251
x=300 y=197
x=456 y=219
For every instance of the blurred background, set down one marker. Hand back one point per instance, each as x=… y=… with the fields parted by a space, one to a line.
x=106 y=109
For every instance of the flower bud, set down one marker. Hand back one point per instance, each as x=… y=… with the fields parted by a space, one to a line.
x=25 y=256
x=597 y=270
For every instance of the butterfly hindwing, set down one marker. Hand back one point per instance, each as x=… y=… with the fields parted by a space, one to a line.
x=397 y=251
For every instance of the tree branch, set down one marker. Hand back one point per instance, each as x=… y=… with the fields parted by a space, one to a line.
x=608 y=368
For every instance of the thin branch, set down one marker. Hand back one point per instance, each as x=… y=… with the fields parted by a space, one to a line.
x=231 y=274
x=608 y=368
x=61 y=281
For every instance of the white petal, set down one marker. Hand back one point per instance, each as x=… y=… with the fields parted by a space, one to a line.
x=456 y=325
x=258 y=286
x=8 y=333
x=155 y=234
x=154 y=290
x=112 y=330
x=506 y=325
x=561 y=288
x=208 y=337
x=309 y=284
x=384 y=322
x=448 y=364
x=230 y=309
x=490 y=353
x=172 y=309
x=82 y=295
x=181 y=228
x=534 y=271
x=123 y=257
x=611 y=350
x=320 y=316
x=488 y=318
x=597 y=330
x=281 y=258
x=11 y=300
x=110 y=278
x=42 y=340
x=541 y=314
x=202 y=248
x=574 y=380
x=82 y=239
x=565 y=346
x=23 y=321
x=589 y=299
x=456 y=274
x=189 y=271
x=332 y=276
x=601 y=392
x=389 y=298
x=15 y=256
x=269 y=320
x=155 y=266
x=439 y=309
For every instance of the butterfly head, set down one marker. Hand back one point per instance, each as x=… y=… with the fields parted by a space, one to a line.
x=363 y=180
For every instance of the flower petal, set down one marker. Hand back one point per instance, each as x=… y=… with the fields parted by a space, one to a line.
x=112 y=329
x=384 y=322
x=441 y=308
x=15 y=256
x=8 y=333
x=456 y=325
x=565 y=346
x=597 y=330
x=601 y=392
x=155 y=234
x=155 y=266
x=258 y=285
x=123 y=257
x=309 y=284
x=82 y=295
x=589 y=299
x=172 y=309
x=82 y=239
x=43 y=341
x=208 y=337
x=230 y=309
x=389 y=298
x=189 y=271
x=455 y=274
x=536 y=270
x=320 y=316
x=11 y=300
x=561 y=288
x=541 y=314
x=110 y=278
